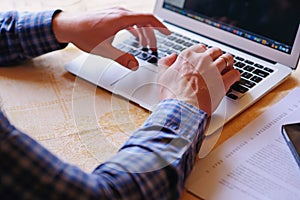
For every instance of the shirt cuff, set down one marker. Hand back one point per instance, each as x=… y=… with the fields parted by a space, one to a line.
x=5 y=127
x=173 y=128
x=179 y=116
x=36 y=33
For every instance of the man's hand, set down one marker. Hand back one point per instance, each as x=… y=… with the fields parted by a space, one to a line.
x=198 y=76
x=94 y=32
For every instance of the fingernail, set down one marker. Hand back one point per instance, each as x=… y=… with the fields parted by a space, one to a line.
x=133 y=65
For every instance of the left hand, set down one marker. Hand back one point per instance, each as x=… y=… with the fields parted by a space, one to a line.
x=94 y=32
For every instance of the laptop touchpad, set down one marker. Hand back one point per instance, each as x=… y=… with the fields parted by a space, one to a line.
x=139 y=86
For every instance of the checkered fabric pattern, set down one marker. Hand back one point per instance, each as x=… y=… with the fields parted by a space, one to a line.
x=26 y=35
x=152 y=164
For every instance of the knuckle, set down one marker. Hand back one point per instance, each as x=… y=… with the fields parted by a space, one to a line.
x=186 y=53
x=118 y=8
x=217 y=49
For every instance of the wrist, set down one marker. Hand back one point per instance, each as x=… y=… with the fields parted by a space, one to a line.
x=60 y=27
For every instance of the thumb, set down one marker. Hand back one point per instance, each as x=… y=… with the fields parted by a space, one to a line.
x=121 y=57
x=166 y=62
x=128 y=60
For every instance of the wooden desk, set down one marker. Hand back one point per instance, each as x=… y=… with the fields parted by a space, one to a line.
x=66 y=114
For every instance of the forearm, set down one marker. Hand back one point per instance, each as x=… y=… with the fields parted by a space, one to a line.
x=26 y=35
x=161 y=154
x=153 y=164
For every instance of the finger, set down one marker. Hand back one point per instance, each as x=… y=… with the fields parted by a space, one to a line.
x=146 y=36
x=230 y=77
x=144 y=20
x=224 y=63
x=151 y=39
x=198 y=48
x=123 y=58
x=133 y=31
x=128 y=61
x=142 y=36
x=214 y=52
x=168 y=60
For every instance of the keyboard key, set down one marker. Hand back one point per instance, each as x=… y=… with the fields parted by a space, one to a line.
x=134 y=52
x=169 y=44
x=258 y=66
x=188 y=44
x=240 y=64
x=171 y=37
x=247 y=83
x=246 y=75
x=145 y=49
x=239 y=58
x=152 y=60
x=154 y=53
x=239 y=88
x=261 y=73
x=177 y=47
x=144 y=56
x=249 y=68
x=268 y=69
x=232 y=96
x=249 y=62
x=256 y=79
x=179 y=41
x=169 y=52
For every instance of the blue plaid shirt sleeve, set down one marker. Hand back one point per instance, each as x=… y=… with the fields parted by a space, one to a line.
x=152 y=164
x=24 y=35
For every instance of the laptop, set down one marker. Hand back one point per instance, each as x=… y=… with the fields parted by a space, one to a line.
x=264 y=40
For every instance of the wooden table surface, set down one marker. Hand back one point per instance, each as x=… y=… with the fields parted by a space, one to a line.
x=65 y=114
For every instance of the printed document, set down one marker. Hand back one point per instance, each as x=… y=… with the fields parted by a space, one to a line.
x=256 y=163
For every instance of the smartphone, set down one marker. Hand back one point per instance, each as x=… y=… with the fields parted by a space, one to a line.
x=291 y=134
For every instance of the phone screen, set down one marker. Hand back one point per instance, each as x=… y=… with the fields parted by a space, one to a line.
x=291 y=133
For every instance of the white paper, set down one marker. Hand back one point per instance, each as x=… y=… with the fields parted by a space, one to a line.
x=256 y=163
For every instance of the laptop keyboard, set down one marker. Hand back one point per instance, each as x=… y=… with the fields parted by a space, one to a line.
x=251 y=73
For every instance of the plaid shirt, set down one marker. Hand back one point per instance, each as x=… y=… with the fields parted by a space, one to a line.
x=26 y=35
x=152 y=164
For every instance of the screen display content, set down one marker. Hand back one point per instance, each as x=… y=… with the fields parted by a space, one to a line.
x=273 y=23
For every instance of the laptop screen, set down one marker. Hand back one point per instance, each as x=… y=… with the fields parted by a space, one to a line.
x=273 y=23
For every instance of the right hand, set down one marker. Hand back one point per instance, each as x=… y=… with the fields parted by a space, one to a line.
x=197 y=76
